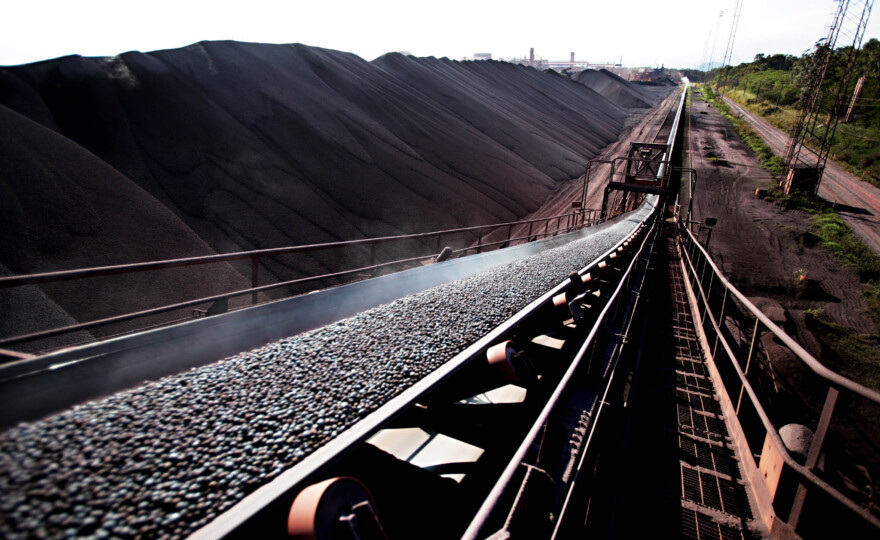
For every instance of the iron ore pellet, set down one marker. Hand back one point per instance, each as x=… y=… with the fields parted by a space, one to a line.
x=167 y=457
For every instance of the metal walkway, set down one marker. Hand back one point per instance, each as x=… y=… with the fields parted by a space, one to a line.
x=675 y=470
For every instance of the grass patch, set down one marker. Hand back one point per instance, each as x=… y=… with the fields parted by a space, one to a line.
x=769 y=161
x=859 y=350
x=855 y=255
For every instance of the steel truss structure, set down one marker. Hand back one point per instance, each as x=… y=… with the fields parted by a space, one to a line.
x=805 y=165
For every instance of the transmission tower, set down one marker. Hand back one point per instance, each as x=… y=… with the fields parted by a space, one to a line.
x=806 y=165
x=714 y=42
x=729 y=50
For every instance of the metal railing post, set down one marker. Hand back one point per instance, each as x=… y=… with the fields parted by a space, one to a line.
x=748 y=364
x=814 y=453
x=707 y=293
x=690 y=248
x=703 y=276
x=720 y=321
x=255 y=278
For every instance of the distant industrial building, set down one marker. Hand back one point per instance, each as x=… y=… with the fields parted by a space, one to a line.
x=477 y=56
x=531 y=61
x=571 y=65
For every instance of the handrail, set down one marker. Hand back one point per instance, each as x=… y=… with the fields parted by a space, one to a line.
x=816 y=366
x=661 y=173
x=835 y=381
x=564 y=223
x=359 y=432
x=64 y=275
x=500 y=486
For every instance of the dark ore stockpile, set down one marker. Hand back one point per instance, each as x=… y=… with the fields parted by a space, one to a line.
x=62 y=207
x=244 y=146
x=617 y=89
x=166 y=458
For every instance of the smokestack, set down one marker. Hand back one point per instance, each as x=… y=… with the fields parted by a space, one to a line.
x=532 y=56
x=572 y=59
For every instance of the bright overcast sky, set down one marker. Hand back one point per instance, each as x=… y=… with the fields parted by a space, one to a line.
x=677 y=33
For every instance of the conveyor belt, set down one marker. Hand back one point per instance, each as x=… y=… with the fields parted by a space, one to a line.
x=168 y=457
x=32 y=389
x=171 y=455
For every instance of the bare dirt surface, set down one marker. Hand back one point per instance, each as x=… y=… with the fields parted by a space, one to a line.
x=761 y=247
x=857 y=202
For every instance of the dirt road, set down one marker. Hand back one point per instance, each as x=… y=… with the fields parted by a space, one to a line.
x=761 y=247
x=857 y=202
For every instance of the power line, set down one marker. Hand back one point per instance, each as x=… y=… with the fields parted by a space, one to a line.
x=730 y=39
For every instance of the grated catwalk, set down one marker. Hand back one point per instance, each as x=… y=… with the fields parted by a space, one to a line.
x=164 y=459
x=677 y=466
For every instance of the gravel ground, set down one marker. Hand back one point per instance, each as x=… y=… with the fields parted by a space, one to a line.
x=164 y=459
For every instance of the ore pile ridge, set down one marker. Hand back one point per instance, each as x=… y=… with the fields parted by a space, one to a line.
x=242 y=146
x=617 y=89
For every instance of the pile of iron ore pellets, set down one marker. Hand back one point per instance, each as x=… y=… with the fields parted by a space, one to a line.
x=164 y=459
